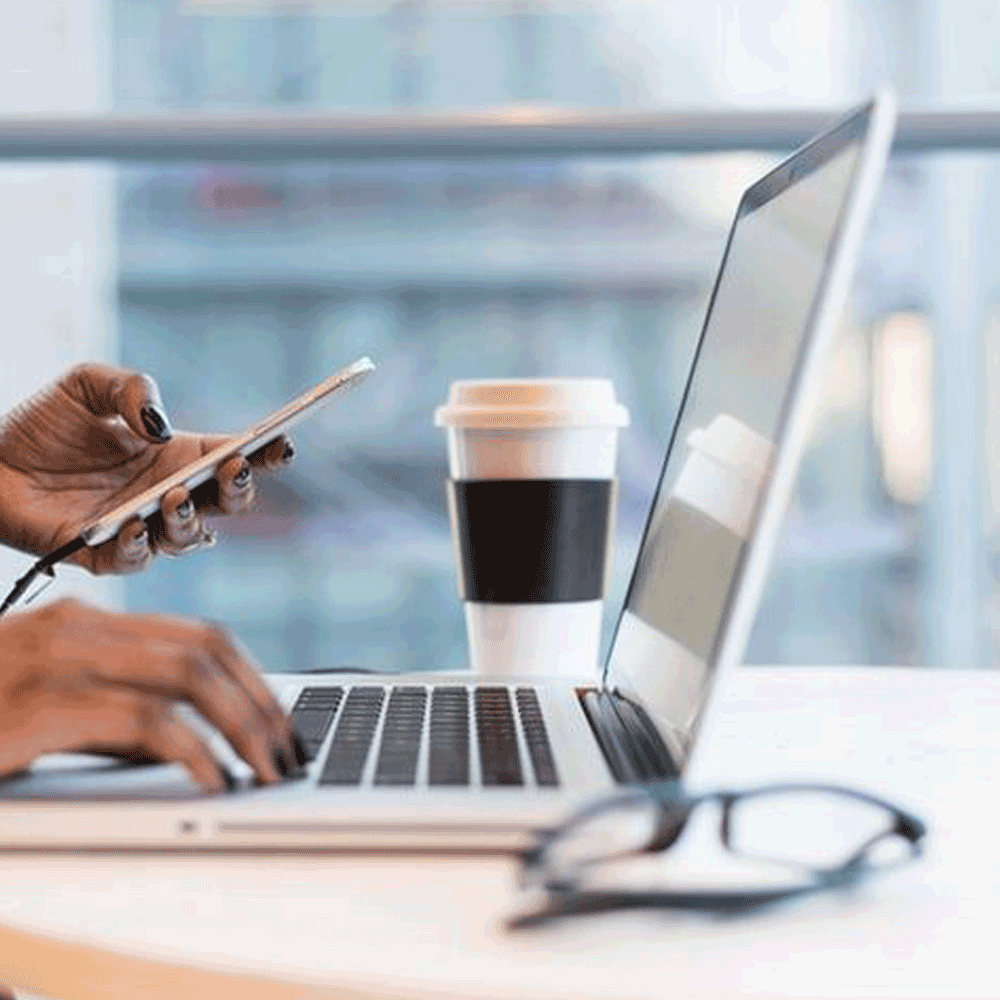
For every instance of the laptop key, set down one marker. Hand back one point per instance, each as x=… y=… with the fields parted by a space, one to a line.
x=352 y=739
x=401 y=732
x=319 y=695
x=499 y=762
x=448 y=748
x=312 y=714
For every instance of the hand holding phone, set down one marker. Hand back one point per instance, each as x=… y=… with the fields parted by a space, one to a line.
x=202 y=469
x=96 y=433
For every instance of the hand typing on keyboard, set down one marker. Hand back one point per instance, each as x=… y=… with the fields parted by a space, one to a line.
x=81 y=679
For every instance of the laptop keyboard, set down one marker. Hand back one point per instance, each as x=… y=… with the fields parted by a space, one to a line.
x=394 y=724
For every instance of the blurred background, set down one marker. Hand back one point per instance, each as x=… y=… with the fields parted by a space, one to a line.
x=239 y=286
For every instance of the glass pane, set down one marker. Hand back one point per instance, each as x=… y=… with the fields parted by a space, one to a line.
x=819 y=829
x=621 y=830
x=241 y=284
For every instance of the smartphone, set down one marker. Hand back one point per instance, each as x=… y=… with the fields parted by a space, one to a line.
x=202 y=469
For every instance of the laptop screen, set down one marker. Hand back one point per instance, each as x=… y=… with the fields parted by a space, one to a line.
x=727 y=429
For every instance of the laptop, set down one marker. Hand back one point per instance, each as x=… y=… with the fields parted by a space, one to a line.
x=463 y=762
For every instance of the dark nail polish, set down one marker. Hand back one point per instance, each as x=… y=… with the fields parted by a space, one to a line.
x=242 y=477
x=301 y=757
x=227 y=777
x=139 y=542
x=288 y=454
x=281 y=763
x=185 y=510
x=156 y=423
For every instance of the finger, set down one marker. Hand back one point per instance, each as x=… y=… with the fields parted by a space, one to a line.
x=182 y=529
x=156 y=731
x=239 y=663
x=236 y=488
x=130 y=551
x=226 y=494
x=132 y=722
x=190 y=675
x=274 y=456
x=108 y=391
x=222 y=649
x=97 y=649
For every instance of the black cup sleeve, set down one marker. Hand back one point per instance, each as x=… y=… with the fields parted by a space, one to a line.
x=531 y=541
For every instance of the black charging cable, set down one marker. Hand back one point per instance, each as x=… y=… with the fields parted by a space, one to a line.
x=44 y=566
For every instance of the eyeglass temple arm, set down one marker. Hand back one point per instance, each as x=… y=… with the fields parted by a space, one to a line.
x=582 y=903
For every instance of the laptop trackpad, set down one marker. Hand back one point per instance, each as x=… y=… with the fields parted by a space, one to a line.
x=88 y=776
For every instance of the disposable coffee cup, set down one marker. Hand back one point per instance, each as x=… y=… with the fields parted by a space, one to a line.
x=532 y=500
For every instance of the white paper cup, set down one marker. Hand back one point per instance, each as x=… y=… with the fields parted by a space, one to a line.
x=532 y=502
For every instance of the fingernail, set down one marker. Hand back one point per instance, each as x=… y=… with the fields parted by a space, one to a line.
x=288 y=454
x=227 y=777
x=242 y=477
x=156 y=423
x=301 y=757
x=281 y=763
x=139 y=542
x=185 y=510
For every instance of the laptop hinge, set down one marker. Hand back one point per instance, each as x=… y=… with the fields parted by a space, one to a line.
x=632 y=746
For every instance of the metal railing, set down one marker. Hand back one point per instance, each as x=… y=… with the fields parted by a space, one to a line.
x=520 y=132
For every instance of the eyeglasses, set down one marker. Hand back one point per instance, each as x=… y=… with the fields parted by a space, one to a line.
x=825 y=836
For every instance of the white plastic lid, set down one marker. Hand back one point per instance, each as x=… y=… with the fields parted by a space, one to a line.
x=730 y=441
x=531 y=402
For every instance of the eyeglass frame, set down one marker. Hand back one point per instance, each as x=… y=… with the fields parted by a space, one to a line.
x=567 y=898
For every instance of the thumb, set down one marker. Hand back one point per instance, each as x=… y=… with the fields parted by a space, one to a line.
x=108 y=391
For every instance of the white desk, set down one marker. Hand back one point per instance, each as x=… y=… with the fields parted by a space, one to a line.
x=98 y=928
